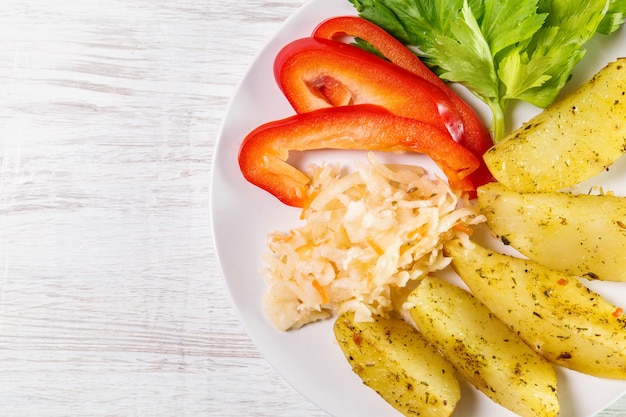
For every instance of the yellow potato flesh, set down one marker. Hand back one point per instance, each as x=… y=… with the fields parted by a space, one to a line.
x=483 y=349
x=574 y=139
x=392 y=358
x=583 y=235
x=553 y=312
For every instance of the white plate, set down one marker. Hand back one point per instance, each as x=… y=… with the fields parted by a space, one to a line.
x=242 y=215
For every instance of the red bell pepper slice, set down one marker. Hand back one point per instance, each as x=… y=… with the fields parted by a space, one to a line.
x=317 y=73
x=475 y=134
x=338 y=27
x=264 y=152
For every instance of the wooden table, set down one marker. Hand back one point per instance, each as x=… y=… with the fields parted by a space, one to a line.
x=111 y=300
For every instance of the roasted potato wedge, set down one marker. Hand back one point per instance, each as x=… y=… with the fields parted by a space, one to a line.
x=582 y=235
x=483 y=349
x=572 y=140
x=554 y=313
x=392 y=358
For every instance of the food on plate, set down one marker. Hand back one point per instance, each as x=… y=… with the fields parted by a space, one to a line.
x=371 y=236
x=475 y=136
x=368 y=35
x=483 y=349
x=392 y=358
x=582 y=235
x=554 y=313
x=574 y=139
x=264 y=152
x=500 y=50
x=348 y=98
x=315 y=73
x=365 y=235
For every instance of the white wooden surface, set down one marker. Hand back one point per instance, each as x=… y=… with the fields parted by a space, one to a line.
x=111 y=301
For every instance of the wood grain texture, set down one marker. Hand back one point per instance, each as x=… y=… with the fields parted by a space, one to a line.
x=111 y=300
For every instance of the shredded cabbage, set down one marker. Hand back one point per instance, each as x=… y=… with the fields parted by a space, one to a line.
x=366 y=235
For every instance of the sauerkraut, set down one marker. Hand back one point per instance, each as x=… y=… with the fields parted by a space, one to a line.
x=366 y=235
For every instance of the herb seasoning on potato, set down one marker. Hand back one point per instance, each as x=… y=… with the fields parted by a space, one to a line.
x=581 y=235
x=574 y=139
x=483 y=349
x=555 y=314
x=392 y=358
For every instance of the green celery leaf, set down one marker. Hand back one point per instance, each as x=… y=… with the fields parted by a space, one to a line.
x=520 y=75
x=506 y=23
x=501 y=50
x=465 y=57
x=554 y=51
x=413 y=22
x=382 y=15
x=614 y=18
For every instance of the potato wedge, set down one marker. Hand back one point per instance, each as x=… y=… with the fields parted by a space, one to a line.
x=392 y=358
x=582 y=235
x=554 y=313
x=483 y=349
x=574 y=139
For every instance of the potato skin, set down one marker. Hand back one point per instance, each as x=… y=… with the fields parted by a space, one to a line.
x=392 y=358
x=554 y=313
x=582 y=235
x=574 y=139
x=483 y=349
